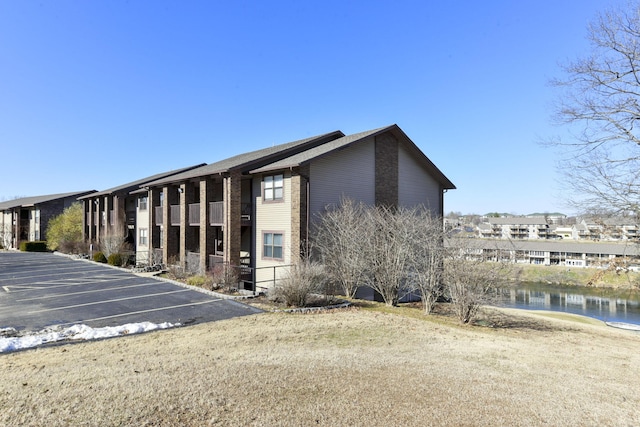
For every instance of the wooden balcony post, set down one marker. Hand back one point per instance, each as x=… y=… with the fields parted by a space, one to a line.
x=207 y=243
x=232 y=190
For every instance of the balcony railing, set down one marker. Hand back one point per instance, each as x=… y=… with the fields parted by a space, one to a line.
x=216 y=213
x=175 y=214
x=194 y=214
x=159 y=215
x=246 y=213
x=215 y=259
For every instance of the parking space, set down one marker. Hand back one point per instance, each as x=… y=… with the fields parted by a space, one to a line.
x=40 y=289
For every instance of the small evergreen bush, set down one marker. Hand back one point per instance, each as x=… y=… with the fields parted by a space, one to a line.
x=33 y=246
x=115 y=259
x=201 y=282
x=99 y=257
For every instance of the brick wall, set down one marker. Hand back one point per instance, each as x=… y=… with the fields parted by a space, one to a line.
x=386 y=148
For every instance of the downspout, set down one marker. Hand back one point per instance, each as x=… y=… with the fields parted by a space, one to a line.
x=308 y=214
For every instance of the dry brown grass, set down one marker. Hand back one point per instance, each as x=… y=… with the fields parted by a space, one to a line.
x=350 y=367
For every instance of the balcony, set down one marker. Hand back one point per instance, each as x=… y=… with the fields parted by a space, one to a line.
x=159 y=215
x=216 y=213
x=245 y=213
x=194 y=214
x=175 y=215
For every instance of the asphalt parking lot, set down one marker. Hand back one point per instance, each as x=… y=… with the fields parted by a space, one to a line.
x=38 y=290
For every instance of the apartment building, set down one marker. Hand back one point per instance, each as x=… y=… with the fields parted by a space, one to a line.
x=113 y=212
x=256 y=209
x=517 y=228
x=562 y=253
x=534 y=228
x=27 y=218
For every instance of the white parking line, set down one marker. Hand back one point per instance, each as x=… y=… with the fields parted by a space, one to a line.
x=108 y=301
x=61 y=283
x=151 y=310
x=46 y=271
x=87 y=292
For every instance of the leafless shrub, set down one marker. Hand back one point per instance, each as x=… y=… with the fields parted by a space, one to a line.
x=425 y=263
x=469 y=280
x=175 y=270
x=224 y=276
x=301 y=281
x=5 y=236
x=338 y=238
x=394 y=251
x=388 y=252
x=112 y=243
x=73 y=247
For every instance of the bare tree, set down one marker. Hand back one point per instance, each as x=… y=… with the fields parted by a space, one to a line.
x=115 y=239
x=339 y=238
x=470 y=279
x=600 y=103
x=112 y=243
x=393 y=251
x=426 y=257
x=389 y=252
x=6 y=236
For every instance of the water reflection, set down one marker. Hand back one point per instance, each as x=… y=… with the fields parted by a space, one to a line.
x=609 y=306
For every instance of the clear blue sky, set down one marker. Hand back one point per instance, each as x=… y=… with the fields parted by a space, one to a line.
x=94 y=94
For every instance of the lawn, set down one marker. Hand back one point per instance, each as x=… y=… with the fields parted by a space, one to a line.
x=361 y=366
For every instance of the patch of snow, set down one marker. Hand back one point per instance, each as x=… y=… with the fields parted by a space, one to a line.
x=77 y=333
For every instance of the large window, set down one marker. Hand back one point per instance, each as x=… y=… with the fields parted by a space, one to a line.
x=142 y=204
x=273 y=187
x=144 y=237
x=272 y=245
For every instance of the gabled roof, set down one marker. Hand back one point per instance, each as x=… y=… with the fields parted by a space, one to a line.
x=322 y=150
x=246 y=161
x=37 y=200
x=485 y=226
x=134 y=185
x=566 y=246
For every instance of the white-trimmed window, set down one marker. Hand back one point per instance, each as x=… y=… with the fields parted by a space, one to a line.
x=144 y=237
x=142 y=203
x=272 y=245
x=273 y=186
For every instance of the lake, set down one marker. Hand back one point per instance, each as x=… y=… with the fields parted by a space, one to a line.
x=608 y=305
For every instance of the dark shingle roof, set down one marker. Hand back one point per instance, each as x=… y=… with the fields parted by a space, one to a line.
x=345 y=141
x=313 y=153
x=246 y=161
x=556 y=246
x=134 y=185
x=36 y=200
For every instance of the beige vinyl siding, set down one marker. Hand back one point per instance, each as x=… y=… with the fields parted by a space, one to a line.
x=345 y=173
x=272 y=217
x=416 y=186
x=142 y=221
